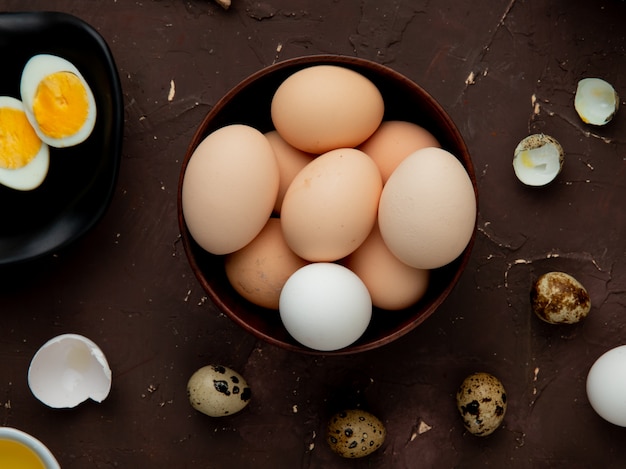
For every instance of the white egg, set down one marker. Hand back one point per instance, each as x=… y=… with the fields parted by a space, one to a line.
x=325 y=306
x=596 y=101
x=538 y=159
x=68 y=370
x=606 y=386
x=59 y=103
x=24 y=158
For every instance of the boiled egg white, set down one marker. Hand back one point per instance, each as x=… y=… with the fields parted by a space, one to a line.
x=59 y=103
x=596 y=101
x=24 y=158
x=538 y=159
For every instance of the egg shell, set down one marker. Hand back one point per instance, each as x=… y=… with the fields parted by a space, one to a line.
x=325 y=306
x=392 y=284
x=355 y=433
x=36 y=70
x=393 y=141
x=259 y=270
x=229 y=188
x=290 y=161
x=330 y=207
x=427 y=209
x=67 y=370
x=217 y=391
x=323 y=107
x=558 y=298
x=482 y=401
x=606 y=386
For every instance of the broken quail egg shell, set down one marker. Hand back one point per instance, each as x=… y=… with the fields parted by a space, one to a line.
x=481 y=401
x=218 y=391
x=538 y=159
x=558 y=298
x=355 y=433
x=67 y=370
x=596 y=101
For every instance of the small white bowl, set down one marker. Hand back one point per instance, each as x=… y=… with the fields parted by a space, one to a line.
x=37 y=448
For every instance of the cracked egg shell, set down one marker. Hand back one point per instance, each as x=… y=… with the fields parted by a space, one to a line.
x=558 y=298
x=538 y=159
x=217 y=391
x=481 y=401
x=355 y=433
x=596 y=101
x=67 y=370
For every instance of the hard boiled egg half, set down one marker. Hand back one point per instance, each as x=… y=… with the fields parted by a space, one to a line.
x=24 y=158
x=58 y=101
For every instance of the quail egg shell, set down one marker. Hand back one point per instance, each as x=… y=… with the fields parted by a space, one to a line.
x=218 y=391
x=67 y=370
x=24 y=158
x=596 y=101
x=59 y=103
x=481 y=401
x=558 y=298
x=355 y=433
x=538 y=159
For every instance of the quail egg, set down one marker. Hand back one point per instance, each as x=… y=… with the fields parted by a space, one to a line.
x=558 y=298
x=596 y=101
x=355 y=433
x=217 y=391
x=538 y=159
x=58 y=101
x=481 y=401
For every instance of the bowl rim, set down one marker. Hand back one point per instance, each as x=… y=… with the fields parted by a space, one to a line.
x=303 y=62
x=32 y=443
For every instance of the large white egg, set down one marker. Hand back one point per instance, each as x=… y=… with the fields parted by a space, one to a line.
x=59 y=103
x=606 y=386
x=24 y=158
x=325 y=306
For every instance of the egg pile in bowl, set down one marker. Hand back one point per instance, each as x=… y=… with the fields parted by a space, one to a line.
x=249 y=111
x=57 y=109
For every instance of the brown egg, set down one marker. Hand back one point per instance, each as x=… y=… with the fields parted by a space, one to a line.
x=558 y=298
x=393 y=141
x=355 y=433
x=392 y=284
x=290 y=162
x=481 y=401
x=259 y=270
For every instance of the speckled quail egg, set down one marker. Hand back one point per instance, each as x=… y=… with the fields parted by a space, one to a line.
x=596 y=101
x=481 y=401
x=558 y=298
x=24 y=158
x=58 y=101
x=355 y=433
x=538 y=159
x=217 y=391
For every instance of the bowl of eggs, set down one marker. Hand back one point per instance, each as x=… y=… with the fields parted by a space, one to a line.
x=327 y=204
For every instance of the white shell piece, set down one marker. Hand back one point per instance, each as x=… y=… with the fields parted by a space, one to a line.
x=67 y=370
x=538 y=159
x=596 y=101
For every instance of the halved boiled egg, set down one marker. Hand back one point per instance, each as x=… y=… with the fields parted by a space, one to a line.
x=538 y=159
x=24 y=158
x=59 y=103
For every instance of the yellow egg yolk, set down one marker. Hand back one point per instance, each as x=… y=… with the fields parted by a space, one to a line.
x=60 y=105
x=18 y=456
x=19 y=143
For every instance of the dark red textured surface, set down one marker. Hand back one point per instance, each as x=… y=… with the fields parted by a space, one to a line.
x=502 y=70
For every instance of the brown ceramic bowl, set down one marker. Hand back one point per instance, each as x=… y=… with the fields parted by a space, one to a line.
x=249 y=103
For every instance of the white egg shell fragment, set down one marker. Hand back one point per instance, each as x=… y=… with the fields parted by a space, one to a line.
x=606 y=386
x=325 y=306
x=481 y=401
x=217 y=391
x=62 y=111
x=427 y=209
x=67 y=370
x=17 y=138
x=538 y=159
x=558 y=298
x=596 y=101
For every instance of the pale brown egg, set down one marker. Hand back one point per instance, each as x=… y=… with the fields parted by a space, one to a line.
x=259 y=270
x=395 y=140
x=392 y=284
